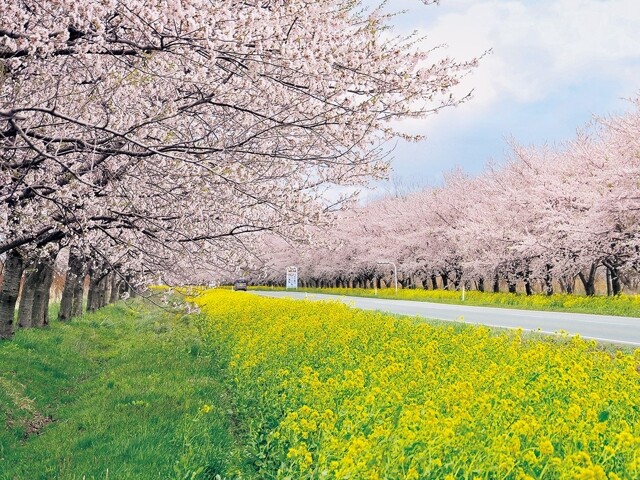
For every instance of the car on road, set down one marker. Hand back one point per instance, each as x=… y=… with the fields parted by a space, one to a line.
x=240 y=285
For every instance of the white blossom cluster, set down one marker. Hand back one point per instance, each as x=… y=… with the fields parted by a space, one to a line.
x=160 y=135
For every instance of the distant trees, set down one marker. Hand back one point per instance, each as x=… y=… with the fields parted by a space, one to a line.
x=148 y=139
x=541 y=220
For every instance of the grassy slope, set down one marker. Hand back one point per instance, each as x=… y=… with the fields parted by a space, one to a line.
x=128 y=392
x=623 y=305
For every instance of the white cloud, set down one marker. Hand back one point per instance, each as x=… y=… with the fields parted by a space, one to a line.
x=539 y=47
x=554 y=64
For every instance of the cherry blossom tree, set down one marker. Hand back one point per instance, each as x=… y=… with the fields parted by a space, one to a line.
x=142 y=134
x=542 y=218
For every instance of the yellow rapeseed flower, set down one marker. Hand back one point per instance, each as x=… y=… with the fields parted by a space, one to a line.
x=546 y=447
x=341 y=393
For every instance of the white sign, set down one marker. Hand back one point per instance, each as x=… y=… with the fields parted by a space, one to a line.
x=292 y=277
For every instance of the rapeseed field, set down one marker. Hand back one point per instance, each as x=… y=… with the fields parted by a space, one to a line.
x=622 y=305
x=331 y=392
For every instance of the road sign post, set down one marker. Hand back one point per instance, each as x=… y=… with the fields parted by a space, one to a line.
x=292 y=278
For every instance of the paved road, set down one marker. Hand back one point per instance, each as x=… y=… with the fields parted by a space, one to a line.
x=622 y=330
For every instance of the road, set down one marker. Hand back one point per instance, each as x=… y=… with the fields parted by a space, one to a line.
x=620 y=330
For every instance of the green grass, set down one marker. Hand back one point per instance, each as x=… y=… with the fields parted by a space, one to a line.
x=129 y=392
x=622 y=305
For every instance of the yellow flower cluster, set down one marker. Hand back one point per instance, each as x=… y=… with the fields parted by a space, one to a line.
x=339 y=393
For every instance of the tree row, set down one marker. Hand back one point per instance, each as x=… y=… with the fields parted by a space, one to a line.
x=155 y=140
x=546 y=219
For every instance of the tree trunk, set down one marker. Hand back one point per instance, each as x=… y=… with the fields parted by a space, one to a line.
x=108 y=282
x=496 y=284
x=97 y=294
x=66 y=301
x=480 y=284
x=32 y=276
x=73 y=283
x=548 y=281
x=589 y=282
x=570 y=284
x=434 y=282
x=133 y=293
x=609 y=286
x=445 y=281
x=40 y=313
x=90 y=291
x=115 y=288
x=512 y=286
x=457 y=279
x=527 y=286
x=103 y=285
x=34 y=299
x=616 y=284
x=563 y=286
x=13 y=266
x=78 y=295
x=93 y=295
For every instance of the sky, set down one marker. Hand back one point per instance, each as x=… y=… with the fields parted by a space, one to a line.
x=553 y=66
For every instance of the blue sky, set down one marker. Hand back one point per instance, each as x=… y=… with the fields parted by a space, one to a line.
x=554 y=65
